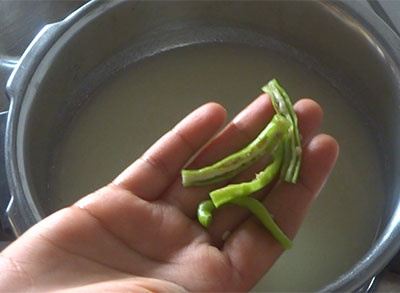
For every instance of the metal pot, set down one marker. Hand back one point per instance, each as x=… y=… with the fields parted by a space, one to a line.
x=65 y=57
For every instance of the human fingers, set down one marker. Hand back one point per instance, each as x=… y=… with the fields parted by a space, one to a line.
x=309 y=115
x=128 y=284
x=236 y=135
x=148 y=176
x=251 y=248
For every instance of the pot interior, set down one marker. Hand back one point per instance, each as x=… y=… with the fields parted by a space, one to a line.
x=112 y=85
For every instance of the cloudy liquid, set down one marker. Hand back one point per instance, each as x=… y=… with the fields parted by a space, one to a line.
x=135 y=107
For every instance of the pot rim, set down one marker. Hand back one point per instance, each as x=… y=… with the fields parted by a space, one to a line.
x=22 y=212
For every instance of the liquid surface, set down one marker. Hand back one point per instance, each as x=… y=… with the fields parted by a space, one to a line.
x=129 y=112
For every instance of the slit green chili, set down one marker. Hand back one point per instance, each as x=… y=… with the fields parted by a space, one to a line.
x=226 y=194
x=232 y=165
x=281 y=139
x=206 y=209
x=283 y=105
x=204 y=212
x=258 y=209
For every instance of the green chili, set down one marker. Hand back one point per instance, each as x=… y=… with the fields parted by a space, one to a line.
x=204 y=212
x=283 y=105
x=226 y=194
x=258 y=209
x=206 y=208
x=281 y=139
x=234 y=164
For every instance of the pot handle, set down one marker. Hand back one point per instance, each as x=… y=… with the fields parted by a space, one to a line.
x=39 y=47
x=5 y=196
x=11 y=210
x=7 y=65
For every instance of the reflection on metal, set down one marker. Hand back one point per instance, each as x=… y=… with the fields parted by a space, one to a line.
x=394 y=223
x=37 y=37
x=370 y=285
x=10 y=218
x=8 y=63
x=355 y=25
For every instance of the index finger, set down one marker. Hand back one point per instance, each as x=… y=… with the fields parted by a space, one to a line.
x=148 y=176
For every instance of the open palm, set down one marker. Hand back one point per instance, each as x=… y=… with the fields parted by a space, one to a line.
x=140 y=232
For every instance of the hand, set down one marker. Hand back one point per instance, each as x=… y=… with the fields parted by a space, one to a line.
x=140 y=232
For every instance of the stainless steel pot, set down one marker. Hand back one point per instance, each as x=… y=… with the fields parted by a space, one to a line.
x=344 y=36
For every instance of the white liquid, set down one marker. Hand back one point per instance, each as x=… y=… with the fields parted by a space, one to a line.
x=128 y=113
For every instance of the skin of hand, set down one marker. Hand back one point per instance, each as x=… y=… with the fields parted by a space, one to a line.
x=140 y=232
